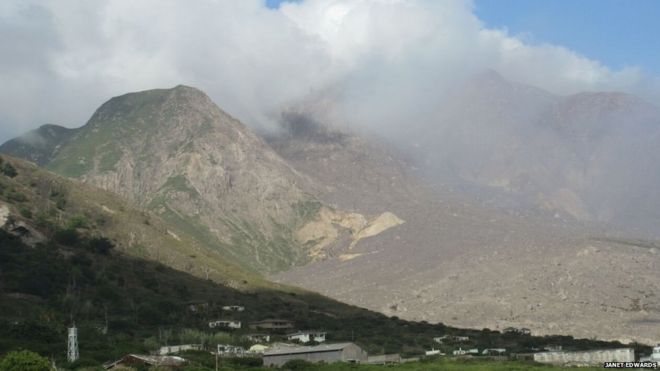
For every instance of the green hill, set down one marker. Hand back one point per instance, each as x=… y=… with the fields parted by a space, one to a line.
x=50 y=205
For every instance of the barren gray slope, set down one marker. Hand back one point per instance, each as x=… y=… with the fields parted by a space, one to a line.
x=467 y=264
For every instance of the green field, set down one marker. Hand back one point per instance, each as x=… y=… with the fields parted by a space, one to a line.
x=202 y=362
x=447 y=365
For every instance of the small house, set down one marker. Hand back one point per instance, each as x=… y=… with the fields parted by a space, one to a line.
x=258 y=338
x=451 y=338
x=461 y=351
x=233 y=308
x=272 y=324
x=493 y=351
x=197 y=306
x=226 y=324
x=553 y=348
x=307 y=336
x=521 y=331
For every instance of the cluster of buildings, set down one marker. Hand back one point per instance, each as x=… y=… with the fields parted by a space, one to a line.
x=278 y=354
x=311 y=346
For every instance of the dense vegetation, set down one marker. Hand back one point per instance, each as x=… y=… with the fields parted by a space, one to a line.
x=127 y=304
x=24 y=361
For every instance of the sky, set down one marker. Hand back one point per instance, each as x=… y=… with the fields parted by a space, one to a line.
x=619 y=33
x=375 y=62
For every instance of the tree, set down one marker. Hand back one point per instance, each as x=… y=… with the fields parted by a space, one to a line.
x=24 y=361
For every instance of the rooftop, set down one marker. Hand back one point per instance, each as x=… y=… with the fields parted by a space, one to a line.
x=307 y=349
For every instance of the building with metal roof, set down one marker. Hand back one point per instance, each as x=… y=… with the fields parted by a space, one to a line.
x=136 y=360
x=327 y=353
x=272 y=324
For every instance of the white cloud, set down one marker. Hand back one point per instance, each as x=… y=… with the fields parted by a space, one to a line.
x=384 y=60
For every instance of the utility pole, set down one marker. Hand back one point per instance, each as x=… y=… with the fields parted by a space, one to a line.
x=217 y=350
x=72 y=351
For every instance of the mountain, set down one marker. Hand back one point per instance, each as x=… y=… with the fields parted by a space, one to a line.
x=174 y=152
x=492 y=219
x=588 y=156
x=466 y=254
x=72 y=252
x=39 y=145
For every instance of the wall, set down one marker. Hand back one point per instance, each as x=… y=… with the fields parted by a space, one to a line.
x=593 y=357
x=327 y=357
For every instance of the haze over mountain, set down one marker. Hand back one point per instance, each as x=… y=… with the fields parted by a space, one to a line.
x=466 y=237
x=479 y=249
x=589 y=156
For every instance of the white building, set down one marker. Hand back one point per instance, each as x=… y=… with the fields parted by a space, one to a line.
x=451 y=338
x=461 y=351
x=491 y=351
x=233 y=308
x=433 y=352
x=226 y=350
x=553 y=348
x=307 y=336
x=170 y=349
x=231 y=324
x=258 y=338
x=654 y=357
x=586 y=358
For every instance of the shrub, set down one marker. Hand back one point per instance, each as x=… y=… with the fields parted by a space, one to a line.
x=68 y=237
x=78 y=221
x=59 y=198
x=25 y=212
x=24 y=361
x=14 y=196
x=8 y=170
x=100 y=245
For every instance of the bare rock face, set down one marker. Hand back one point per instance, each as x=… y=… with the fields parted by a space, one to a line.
x=4 y=214
x=466 y=262
x=176 y=153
